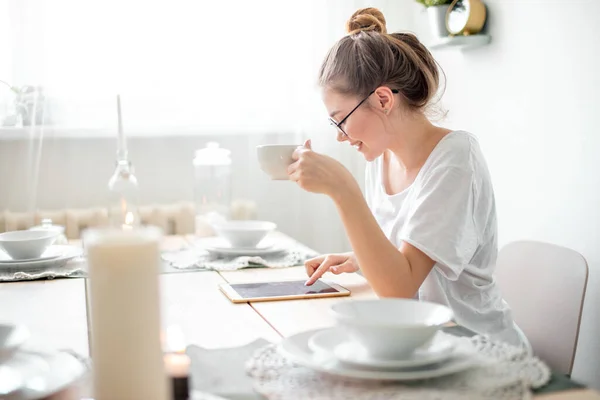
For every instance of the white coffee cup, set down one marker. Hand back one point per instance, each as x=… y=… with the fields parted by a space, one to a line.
x=274 y=159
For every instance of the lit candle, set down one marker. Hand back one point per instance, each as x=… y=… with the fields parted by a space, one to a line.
x=177 y=364
x=125 y=314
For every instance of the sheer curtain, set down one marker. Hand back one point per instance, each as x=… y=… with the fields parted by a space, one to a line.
x=240 y=72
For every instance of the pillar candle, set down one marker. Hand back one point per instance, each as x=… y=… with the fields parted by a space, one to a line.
x=125 y=314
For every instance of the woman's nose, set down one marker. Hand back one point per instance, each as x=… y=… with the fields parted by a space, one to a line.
x=341 y=136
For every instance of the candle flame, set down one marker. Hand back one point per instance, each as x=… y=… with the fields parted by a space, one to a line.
x=129 y=218
x=175 y=340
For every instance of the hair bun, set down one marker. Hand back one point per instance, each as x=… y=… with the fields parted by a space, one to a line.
x=366 y=19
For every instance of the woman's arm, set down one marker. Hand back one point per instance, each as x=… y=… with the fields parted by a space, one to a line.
x=391 y=272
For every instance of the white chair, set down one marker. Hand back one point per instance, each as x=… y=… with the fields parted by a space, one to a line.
x=545 y=285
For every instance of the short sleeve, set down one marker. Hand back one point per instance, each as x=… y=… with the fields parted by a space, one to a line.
x=440 y=221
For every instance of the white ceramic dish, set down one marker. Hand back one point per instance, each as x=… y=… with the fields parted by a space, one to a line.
x=68 y=253
x=274 y=159
x=296 y=349
x=259 y=251
x=336 y=342
x=243 y=233
x=222 y=244
x=11 y=338
x=42 y=373
x=26 y=244
x=391 y=328
x=50 y=253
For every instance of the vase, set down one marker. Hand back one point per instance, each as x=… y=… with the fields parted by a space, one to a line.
x=437 y=20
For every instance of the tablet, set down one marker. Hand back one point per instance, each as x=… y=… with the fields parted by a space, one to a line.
x=281 y=290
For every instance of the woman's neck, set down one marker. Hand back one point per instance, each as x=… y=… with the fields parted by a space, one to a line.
x=417 y=139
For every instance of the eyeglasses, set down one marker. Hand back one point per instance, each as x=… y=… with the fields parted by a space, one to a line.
x=338 y=125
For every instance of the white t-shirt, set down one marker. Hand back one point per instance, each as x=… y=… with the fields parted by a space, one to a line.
x=449 y=213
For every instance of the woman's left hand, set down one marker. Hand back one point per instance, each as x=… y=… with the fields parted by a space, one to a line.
x=319 y=173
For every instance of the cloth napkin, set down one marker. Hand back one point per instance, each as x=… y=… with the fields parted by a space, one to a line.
x=222 y=372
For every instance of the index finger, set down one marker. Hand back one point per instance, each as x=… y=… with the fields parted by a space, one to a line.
x=319 y=272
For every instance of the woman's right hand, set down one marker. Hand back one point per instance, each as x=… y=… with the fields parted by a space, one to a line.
x=336 y=263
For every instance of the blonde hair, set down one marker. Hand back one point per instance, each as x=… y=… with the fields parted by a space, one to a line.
x=369 y=57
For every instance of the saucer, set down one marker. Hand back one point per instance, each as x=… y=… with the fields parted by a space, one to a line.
x=335 y=341
x=296 y=349
x=66 y=253
x=245 y=252
x=49 y=254
x=221 y=247
x=226 y=246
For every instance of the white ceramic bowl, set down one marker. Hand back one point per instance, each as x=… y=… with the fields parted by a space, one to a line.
x=11 y=338
x=243 y=233
x=391 y=328
x=26 y=244
x=274 y=159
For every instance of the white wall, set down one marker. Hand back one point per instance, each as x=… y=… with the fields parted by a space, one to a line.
x=532 y=96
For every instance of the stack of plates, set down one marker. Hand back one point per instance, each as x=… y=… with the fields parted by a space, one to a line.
x=28 y=372
x=221 y=247
x=331 y=351
x=53 y=256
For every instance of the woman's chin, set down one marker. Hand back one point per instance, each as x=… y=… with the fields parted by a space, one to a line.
x=369 y=155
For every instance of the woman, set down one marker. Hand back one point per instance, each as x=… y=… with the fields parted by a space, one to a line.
x=427 y=227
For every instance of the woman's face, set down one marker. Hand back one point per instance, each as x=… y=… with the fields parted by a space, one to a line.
x=364 y=128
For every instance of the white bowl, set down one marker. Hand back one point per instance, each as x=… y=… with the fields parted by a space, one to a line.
x=243 y=233
x=11 y=338
x=274 y=159
x=27 y=244
x=391 y=328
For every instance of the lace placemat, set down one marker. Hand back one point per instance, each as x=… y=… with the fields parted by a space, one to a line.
x=196 y=257
x=509 y=373
x=73 y=268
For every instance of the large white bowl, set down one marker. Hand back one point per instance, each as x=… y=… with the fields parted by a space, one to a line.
x=274 y=159
x=26 y=244
x=391 y=328
x=11 y=338
x=244 y=233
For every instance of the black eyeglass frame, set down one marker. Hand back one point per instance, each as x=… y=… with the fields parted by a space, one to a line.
x=338 y=125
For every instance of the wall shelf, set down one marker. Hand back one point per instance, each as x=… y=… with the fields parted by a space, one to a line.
x=461 y=42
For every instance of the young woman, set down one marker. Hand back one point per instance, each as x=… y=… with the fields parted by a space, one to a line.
x=427 y=223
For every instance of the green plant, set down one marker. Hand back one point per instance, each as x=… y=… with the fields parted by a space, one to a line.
x=12 y=88
x=429 y=3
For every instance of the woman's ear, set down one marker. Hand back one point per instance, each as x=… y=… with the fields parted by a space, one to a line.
x=385 y=99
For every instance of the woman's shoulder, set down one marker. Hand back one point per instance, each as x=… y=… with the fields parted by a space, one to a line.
x=459 y=149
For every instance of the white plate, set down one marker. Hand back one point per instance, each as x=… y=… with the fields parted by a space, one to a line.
x=218 y=246
x=296 y=349
x=224 y=245
x=42 y=374
x=335 y=341
x=68 y=252
x=50 y=253
x=245 y=252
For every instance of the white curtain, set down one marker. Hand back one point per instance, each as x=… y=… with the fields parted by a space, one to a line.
x=183 y=68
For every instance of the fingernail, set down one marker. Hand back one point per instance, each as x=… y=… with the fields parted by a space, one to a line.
x=307 y=283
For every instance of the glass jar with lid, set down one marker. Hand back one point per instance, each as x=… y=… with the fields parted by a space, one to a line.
x=47 y=225
x=212 y=186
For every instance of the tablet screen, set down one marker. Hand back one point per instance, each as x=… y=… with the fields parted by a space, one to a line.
x=277 y=289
